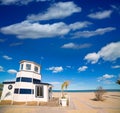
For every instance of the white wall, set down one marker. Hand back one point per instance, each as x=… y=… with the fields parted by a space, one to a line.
x=23 y=97
x=28 y=74
x=9 y=94
x=6 y=93
x=32 y=97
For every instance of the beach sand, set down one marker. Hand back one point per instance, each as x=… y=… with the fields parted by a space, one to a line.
x=79 y=103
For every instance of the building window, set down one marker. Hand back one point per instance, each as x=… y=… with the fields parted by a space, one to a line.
x=26 y=91
x=10 y=87
x=50 y=90
x=32 y=91
x=36 y=69
x=16 y=91
x=18 y=79
x=24 y=79
x=28 y=66
x=21 y=66
x=39 y=91
x=36 y=81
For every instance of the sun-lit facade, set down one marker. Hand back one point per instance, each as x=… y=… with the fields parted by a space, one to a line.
x=28 y=85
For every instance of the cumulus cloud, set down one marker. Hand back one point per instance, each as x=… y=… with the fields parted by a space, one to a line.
x=69 y=67
x=55 y=69
x=105 y=77
x=116 y=8
x=55 y=83
x=36 y=30
x=92 y=57
x=1 y=69
x=79 y=25
x=18 y=2
x=115 y=67
x=101 y=14
x=8 y=80
x=107 y=53
x=87 y=34
x=110 y=52
x=56 y=11
x=26 y=29
x=16 y=44
x=75 y=46
x=12 y=71
x=83 y=68
x=2 y=40
x=7 y=57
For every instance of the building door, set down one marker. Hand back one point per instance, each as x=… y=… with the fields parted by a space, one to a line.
x=39 y=91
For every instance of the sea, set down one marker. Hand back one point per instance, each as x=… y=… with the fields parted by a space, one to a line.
x=77 y=91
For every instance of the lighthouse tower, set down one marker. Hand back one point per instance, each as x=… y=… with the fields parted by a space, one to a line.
x=28 y=75
x=28 y=85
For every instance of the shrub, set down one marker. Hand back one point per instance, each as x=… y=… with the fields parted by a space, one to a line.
x=99 y=94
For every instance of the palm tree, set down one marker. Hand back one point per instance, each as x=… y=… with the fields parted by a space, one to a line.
x=1 y=86
x=64 y=86
x=118 y=82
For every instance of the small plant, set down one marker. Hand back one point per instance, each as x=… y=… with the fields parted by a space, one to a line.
x=99 y=94
x=63 y=87
x=64 y=101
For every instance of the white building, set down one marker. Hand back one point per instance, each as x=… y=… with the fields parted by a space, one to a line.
x=28 y=85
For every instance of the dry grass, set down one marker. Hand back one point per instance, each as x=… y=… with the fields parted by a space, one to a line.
x=5 y=102
x=18 y=103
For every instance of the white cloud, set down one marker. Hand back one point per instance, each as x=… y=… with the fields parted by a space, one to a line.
x=12 y=71
x=116 y=8
x=110 y=52
x=36 y=30
x=83 y=68
x=79 y=25
x=55 y=69
x=75 y=46
x=7 y=57
x=19 y=2
x=56 y=11
x=101 y=14
x=107 y=53
x=2 y=40
x=69 y=67
x=87 y=34
x=92 y=57
x=55 y=83
x=1 y=69
x=105 y=77
x=8 y=80
x=26 y=29
x=16 y=44
x=115 y=67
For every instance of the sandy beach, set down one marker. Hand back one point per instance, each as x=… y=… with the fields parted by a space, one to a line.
x=79 y=103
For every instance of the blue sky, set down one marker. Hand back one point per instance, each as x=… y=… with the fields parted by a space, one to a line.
x=75 y=40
